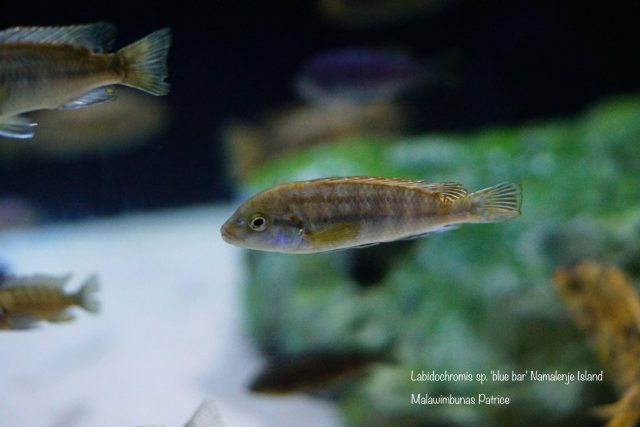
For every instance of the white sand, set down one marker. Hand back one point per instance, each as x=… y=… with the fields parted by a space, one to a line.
x=169 y=333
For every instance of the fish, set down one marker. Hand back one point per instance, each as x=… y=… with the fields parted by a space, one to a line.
x=311 y=371
x=70 y=67
x=603 y=304
x=105 y=128
x=358 y=76
x=24 y=301
x=337 y=213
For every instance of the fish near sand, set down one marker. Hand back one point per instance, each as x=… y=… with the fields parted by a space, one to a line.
x=27 y=300
x=68 y=67
x=337 y=213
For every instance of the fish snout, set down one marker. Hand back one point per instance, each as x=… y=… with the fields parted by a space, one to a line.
x=227 y=233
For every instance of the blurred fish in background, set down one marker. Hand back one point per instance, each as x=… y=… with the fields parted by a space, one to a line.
x=606 y=307
x=371 y=13
x=298 y=128
x=360 y=76
x=313 y=370
x=136 y=118
x=18 y=213
x=207 y=415
x=66 y=68
x=26 y=300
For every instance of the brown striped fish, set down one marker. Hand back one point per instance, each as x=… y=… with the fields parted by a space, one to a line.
x=69 y=67
x=26 y=300
x=337 y=213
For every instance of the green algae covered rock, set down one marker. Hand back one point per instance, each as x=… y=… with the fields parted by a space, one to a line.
x=469 y=301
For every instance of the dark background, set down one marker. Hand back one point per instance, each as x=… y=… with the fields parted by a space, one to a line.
x=516 y=61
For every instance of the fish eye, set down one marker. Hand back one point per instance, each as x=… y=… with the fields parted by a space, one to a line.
x=257 y=222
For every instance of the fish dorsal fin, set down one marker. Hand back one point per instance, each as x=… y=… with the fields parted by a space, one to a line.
x=98 y=37
x=448 y=191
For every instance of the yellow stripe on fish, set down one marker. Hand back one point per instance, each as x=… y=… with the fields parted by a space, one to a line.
x=337 y=213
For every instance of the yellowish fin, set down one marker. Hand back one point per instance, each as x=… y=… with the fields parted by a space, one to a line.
x=498 y=203
x=338 y=233
x=147 y=63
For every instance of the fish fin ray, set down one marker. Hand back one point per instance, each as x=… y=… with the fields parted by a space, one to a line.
x=498 y=203
x=97 y=37
x=338 y=233
x=96 y=96
x=86 y=293
x=447 y=191
x=17 y=127
x=147 y=62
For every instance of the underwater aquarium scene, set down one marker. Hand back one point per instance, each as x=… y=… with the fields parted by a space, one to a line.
x=320 y=213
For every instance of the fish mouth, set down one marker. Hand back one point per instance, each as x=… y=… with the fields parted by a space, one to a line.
x=227 y=235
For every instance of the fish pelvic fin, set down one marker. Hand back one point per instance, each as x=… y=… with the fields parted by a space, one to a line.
x=86 y=293
x=498 y=203
x=336 y=234
x=96 y=96
x=18 y=127
x=146 y=63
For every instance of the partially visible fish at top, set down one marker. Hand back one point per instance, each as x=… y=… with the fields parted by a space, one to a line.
x=358 y=76
x=68 y=67
x=337 y=213
x=26 y=300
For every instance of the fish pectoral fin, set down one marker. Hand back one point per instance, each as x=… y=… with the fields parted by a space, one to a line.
x=61 y=317
x=19 y=127
x=98 y=37
x=338 y=233
x=96 y=96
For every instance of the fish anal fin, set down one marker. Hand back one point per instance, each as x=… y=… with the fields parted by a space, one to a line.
x=336 y=234
x=61 y=317
x=97 y=37
x=96 y=96
x=18 y=127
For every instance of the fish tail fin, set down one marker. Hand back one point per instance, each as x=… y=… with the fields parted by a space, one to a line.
x=498 y=203
x=146 y=62
x=86 y=295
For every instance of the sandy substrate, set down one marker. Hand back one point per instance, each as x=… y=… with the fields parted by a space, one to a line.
x=168 y=335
